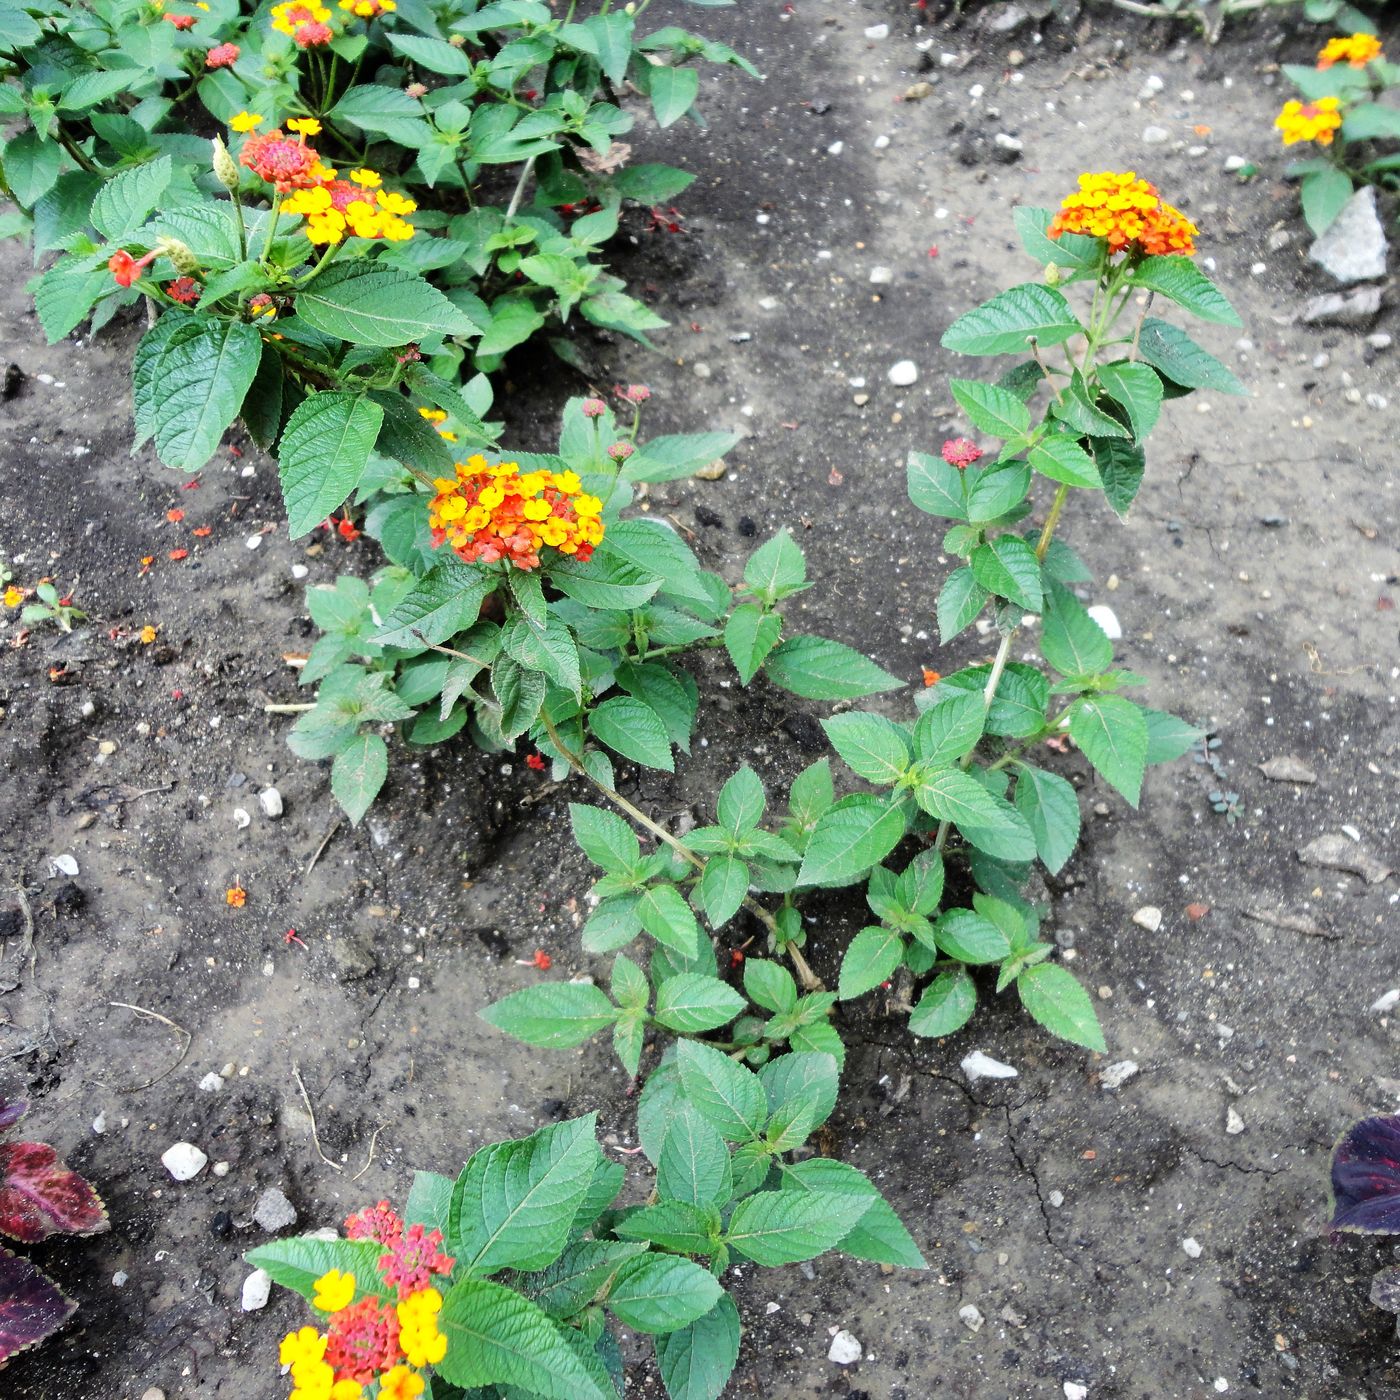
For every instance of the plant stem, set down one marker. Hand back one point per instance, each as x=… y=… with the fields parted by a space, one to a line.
x=810 y=981
x=526 y=171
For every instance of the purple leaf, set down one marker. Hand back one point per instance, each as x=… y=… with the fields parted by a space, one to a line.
x=31 y=1305
x=1366 y=1177
x=40 y=1196
x=11 y=1113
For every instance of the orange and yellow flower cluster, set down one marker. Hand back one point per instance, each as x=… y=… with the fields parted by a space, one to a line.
x=488 y=514
x=1126 y=211
x=369 y=9
x=1356 y=50
x=305 y=22
x=1310 y=121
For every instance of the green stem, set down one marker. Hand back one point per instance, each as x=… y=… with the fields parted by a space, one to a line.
x=78 y=155
x=271 y=225
x=810 y=981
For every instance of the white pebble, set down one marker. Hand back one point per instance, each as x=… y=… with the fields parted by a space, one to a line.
x=1234 y=1124
x=1149 y=917
x=120 y=1279
x=1155 y=136
x=971 y=1317
x=211 y=1083
x=99 y=1124
x=257 y=1289
x=1076 y=1390
x=1384 y=1002
x=1191 y=1248
x=881 y=275
x=881 y=142
x=903 y=373
x=845 y=1349
x=184 y=1161
x=1107 y=619
x=1116 y=1075
x=62 y=865
x=220 y=1168
x=1007 y=142
x=254 y=541
x=300 y=571
x=979 y=1066
x=836 y=148
x=1151 y=87
x=1258 y=269
x=877 y=31
x=241 y=818
x=270 y=800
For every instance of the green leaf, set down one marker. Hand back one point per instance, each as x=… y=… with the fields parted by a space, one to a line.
x=959 y=603
x=1051 y=809
x=658 y=550
x=777 y=568
x=690 y=1003
x=1121 y=465
x=936 y=486
x=786 y=1227
x=519 y=693
x=990 y=409
x=878 y=1236
x=1324 y=195
x=692 y=1164
x=849 y=839
x=1018 y=708
x=436 y=55
x=1167 y=736
x=1113 y=735
x=668 y=918
x=32 y=164
x=946 y=1005
x=1071 y=641
x=818 y=669
x=673 y=93
x=725 y=1093
x=1181 y=360
x=445 y=601
x=358 y=773
x=1061 y=1005
x=429 y=1201
x=749 y=636
x=1178 y=278
x=872 y=956
x=675 y=1225
x=660 y=1293
x=802 y=1076
x=874 y=747
x=555 y=1015
x=570 y=1283
x=1006 y=323
x=603 y=583
x=633 y=729
x=1074 y=253
x=494 y=1336
x=723 y=885
x=1007 y=566
x=696 y=1361
x=741 y=801
x=65 y=294
x=1369 y=121
x=298 y=1263
x=605 y=838
x=202 y=375
x=996 y=490
x=325 y=449
x=1138 y=389
x=770 y=985
x=950 y=728
x=957 y=797
x=1061 y=458
x=674 y=455
x=371 y=304
x=126 y=200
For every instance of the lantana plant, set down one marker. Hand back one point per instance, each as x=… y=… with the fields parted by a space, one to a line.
x=1343 y=113
x=512 y=1279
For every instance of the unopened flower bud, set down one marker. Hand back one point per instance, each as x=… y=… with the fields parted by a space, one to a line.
x=225 y=167
x=180 y=254
x=416 y=90
x=621 y=451
x=1052 y=275
x=594 y=408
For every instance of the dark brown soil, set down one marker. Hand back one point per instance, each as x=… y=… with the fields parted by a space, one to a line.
x=1056 y=1207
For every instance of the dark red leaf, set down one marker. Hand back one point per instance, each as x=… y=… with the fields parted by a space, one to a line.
x=31 y=1305
x=40 y=1196
x=11 y=1113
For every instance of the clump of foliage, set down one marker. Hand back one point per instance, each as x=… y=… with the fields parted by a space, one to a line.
x=40 y=1197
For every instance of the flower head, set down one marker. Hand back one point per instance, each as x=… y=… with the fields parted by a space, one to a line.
x=363 y=1340
x=1309 y=121
x=534 y=762
x=422 y=1343
x=222 y=56
x=488 y=514
x=400 y=1384
x=293 y=16
x=235 y=896
x=285 y=164
x=14 y=596
x=302 y=1346
x=304 y=126
x=413 y=1260
x=621 y=451
x=244 y=121
x=180 y=21
x=594 y=408
x=183 y=289
x=126 y=269
x=368 y=9
x=634 y=393
x=335 y=209
x=334 y=1291
x=961 y=453
x=148 y=634
x=1356 y=50
x=1127 y=212
x=380 y=1222
x=313 y=35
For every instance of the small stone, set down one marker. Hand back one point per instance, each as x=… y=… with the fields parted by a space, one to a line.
x=154 y=1393
x=877 y=31
x=1009 y=1314
x=845 y=1350
x=274 y=1211
x=1076 y=1390
x=916 y=92
x=702 y=370
x=120 y=1279
x=257 y=1289
x=1386 y=1001
x=184 y=1161
x=254 y=541
x=1107 y=619
x=299 y=571
x=1233 y=163
x=1356 y=308
x=1149 y=917
x=860 y=400
x=1151 y=86
x=1155 y=136
x=241 y=819
x=1353 y=247
x=1191 y=1248
x=834 y=149
x=99 y=1124
x=1008 y=142
x=1380 y=341
x=1005 y=19
x=270 y=800
x=711 y=471
x=212 y=1083
x=1116 y=1075
x=979 y=1066
x=220 y=1169
x=1055 y=1199
x=903 y=373
x=971 y=1317
x=1234 y=1124
x=881 y=142
x=1283 y=768
x=62 y=865
x=880 y=276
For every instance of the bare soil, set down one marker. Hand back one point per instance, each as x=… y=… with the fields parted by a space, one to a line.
x=1255 y=584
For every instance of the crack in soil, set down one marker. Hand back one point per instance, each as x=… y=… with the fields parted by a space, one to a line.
x=1232 y=1166
x=1031 y=1172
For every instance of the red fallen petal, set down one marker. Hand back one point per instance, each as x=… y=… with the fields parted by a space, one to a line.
x=31 y=1305
x=41 y=1196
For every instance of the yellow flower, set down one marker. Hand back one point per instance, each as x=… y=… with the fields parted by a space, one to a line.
x=588 y=505
x=245 y=121
x=1356 y=50
x=1310 y=121
x=314 y=1380
x=447 y=435
x=305 y=1345
x=347 y=1390
x=148 y=635
x=436 y=415
x=568 y=483
x=392 y=203
x=335 y=1290
x=13 y=596
x=304 y=126
x=400 y=1384
x=370 y=179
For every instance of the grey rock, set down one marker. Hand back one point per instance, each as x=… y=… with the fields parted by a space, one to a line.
x=1116 y=1075
x=1005 y=19
x=274 y=1211
x=1155 y=136
x=1334 y=851
x=1284 y=768
x=354 y=956
x=1353 y=249
x=845 y=1349
x=1357 y=308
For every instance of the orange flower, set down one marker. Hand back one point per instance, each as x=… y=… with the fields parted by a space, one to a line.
x=1309 y=121
x=931 y=677
x=235 y=896
x=174 y=515
x=285 y=164
x=1356 y=50
x=1125 y=211
x=542 y=960
x=148 y=634
x=201 y=531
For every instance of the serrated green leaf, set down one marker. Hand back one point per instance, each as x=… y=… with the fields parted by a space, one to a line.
x=1324 y=194
x=633 y=729
x=996 y=490
x=991 y=409
x=776 y=568
x=668 y=918
x=696 y=1361
x=872 y=956
x=673 y=93
x=1112 y=733
x=324 y=452
x=1006 y=323
x=750 y=635
x=946 y=1005
x=125 y=201
x=1071 y=641
x=678 y=1226
x=1007 y=566
x=950 y=728
x=373 y=304
x=723 y=885
x=1061 y=458
x=1167 y=736
x=936 y=487
x=203 y=371
x=605 y=838
x=1051 y=809
x=1054 y=998
x=1176 y=277
x=660 y=1293
x=690 y=1003
x=554 y=1015
x=1138 y=388
x=298 y=1264
x=741 y=801
x=770 y=985
x=878 y=1235
x=851 y=838
x=358 y=773
x=1121 y=466
x=872 y=746
x=818 y=669
x=959 y=602
x=725 y=1093
x=1182 y=361
x=1074 y=253
x=786 y=1227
